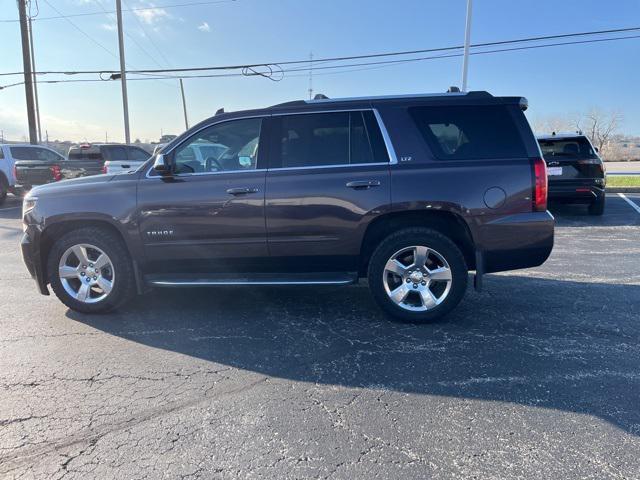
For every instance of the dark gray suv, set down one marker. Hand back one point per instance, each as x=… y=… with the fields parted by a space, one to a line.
x=410 y=192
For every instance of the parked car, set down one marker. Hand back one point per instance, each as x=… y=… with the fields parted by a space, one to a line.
x=411 y=192
x=18 y=159
x=576 y=171
x=93 y=159
x=7 y=176
x=123 y=158
x=35 y=165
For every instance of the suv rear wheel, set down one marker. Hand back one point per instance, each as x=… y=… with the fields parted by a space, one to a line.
x=417 y=275
x=597 y=206
x=90 y=270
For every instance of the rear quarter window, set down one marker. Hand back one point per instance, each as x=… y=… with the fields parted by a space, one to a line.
x=469 y=132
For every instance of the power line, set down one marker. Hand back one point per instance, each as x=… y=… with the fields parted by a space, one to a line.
x=140 y=9
x=142 y=49
x=367 y=65
x=148 y=37
x=82 y=31
x=351 y=57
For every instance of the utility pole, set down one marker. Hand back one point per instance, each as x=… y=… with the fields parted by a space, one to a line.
x=184 y=106
x=123 y=75
x=311 y=76
x=35 y=81
x=28 y=75
x=467 y=41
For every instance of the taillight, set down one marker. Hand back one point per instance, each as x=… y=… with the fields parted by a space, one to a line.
x=104 y=169
x=15 y=172
x=55 y=171
x=540 y=186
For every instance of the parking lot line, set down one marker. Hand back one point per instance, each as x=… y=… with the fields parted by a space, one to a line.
x=633 y=205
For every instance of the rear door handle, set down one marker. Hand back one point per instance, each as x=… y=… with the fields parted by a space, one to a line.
x=363 y=184
x=241 y=191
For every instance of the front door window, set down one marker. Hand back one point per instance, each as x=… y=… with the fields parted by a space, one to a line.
x=228 y=146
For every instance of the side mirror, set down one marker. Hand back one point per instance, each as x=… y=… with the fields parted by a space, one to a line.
x=161 y=165
x=597 y=149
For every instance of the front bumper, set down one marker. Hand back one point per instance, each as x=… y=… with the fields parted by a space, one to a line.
x=510 y=242
x=29 y=245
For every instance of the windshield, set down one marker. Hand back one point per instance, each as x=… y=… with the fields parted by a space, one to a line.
x=577 y=147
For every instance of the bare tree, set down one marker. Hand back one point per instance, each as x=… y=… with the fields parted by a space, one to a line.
x=600 y=126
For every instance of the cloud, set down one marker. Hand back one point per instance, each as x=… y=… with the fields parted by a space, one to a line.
x=204 y=27
x=152 y=15
x=110 y=27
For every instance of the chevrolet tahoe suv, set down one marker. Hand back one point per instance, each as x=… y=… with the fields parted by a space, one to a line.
x=411 y=192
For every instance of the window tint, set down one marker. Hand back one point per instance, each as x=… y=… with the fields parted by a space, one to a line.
x=322 y=139
x=24 y=153
x=469 y=132
x=226 y=146
x=115 y=153
x=578 y=147
x=85 y=154
x=137 y=154
x=1 y=154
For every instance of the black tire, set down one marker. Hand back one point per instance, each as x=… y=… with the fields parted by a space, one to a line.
x=124 y=281
x=417 y=236
x=4 y=188
x=597 y=206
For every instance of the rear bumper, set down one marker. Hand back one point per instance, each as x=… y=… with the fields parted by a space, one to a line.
x=29 y=245
x=578 y=192
x=521 y=240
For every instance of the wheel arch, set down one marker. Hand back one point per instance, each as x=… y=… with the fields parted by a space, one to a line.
x=56 y=230
x=448 y=223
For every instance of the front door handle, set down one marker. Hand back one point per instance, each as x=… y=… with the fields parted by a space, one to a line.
x=241 y=191
x=363 y=184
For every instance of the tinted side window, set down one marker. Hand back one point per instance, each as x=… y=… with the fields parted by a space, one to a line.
x=115 y=153
x=323 y=139
x=468 y=132
x=315 y=139
x=1 y=154
x=84 y=154
x=137 y=154
x=24 y=153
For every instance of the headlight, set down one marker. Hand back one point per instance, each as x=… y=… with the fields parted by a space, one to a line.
x=28 y=204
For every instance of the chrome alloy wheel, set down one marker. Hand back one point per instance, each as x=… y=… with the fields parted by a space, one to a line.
x=86 y=273
x=417 y=278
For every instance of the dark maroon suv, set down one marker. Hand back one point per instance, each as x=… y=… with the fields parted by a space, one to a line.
x=410 y=192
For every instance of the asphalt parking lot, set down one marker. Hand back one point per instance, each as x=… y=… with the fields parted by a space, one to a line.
x=536 y=377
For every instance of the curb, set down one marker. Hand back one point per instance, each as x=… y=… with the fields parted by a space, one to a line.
x=622 y=189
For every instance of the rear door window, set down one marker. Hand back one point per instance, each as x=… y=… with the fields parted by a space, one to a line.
x=115 y=153
x=137 y=154
x=25 y=153
x=326 y=139
x=469 y=132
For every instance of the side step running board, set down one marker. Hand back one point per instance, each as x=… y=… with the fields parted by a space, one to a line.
x=205 y=280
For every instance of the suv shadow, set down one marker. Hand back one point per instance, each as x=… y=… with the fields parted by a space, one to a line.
x=554 y=344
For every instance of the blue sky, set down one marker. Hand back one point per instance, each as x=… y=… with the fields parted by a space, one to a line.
x=557 y=81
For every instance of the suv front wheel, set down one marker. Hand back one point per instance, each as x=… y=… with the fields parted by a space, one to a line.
x=417 y=275
x=90 y=270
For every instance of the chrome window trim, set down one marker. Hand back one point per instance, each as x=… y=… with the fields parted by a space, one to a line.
x=338 y=165
x=393 y=159
x=147 y=175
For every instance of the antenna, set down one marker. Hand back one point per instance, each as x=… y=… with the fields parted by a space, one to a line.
x=311 y=76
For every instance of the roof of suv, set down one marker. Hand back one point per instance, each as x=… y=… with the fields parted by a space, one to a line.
x=560 y=136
